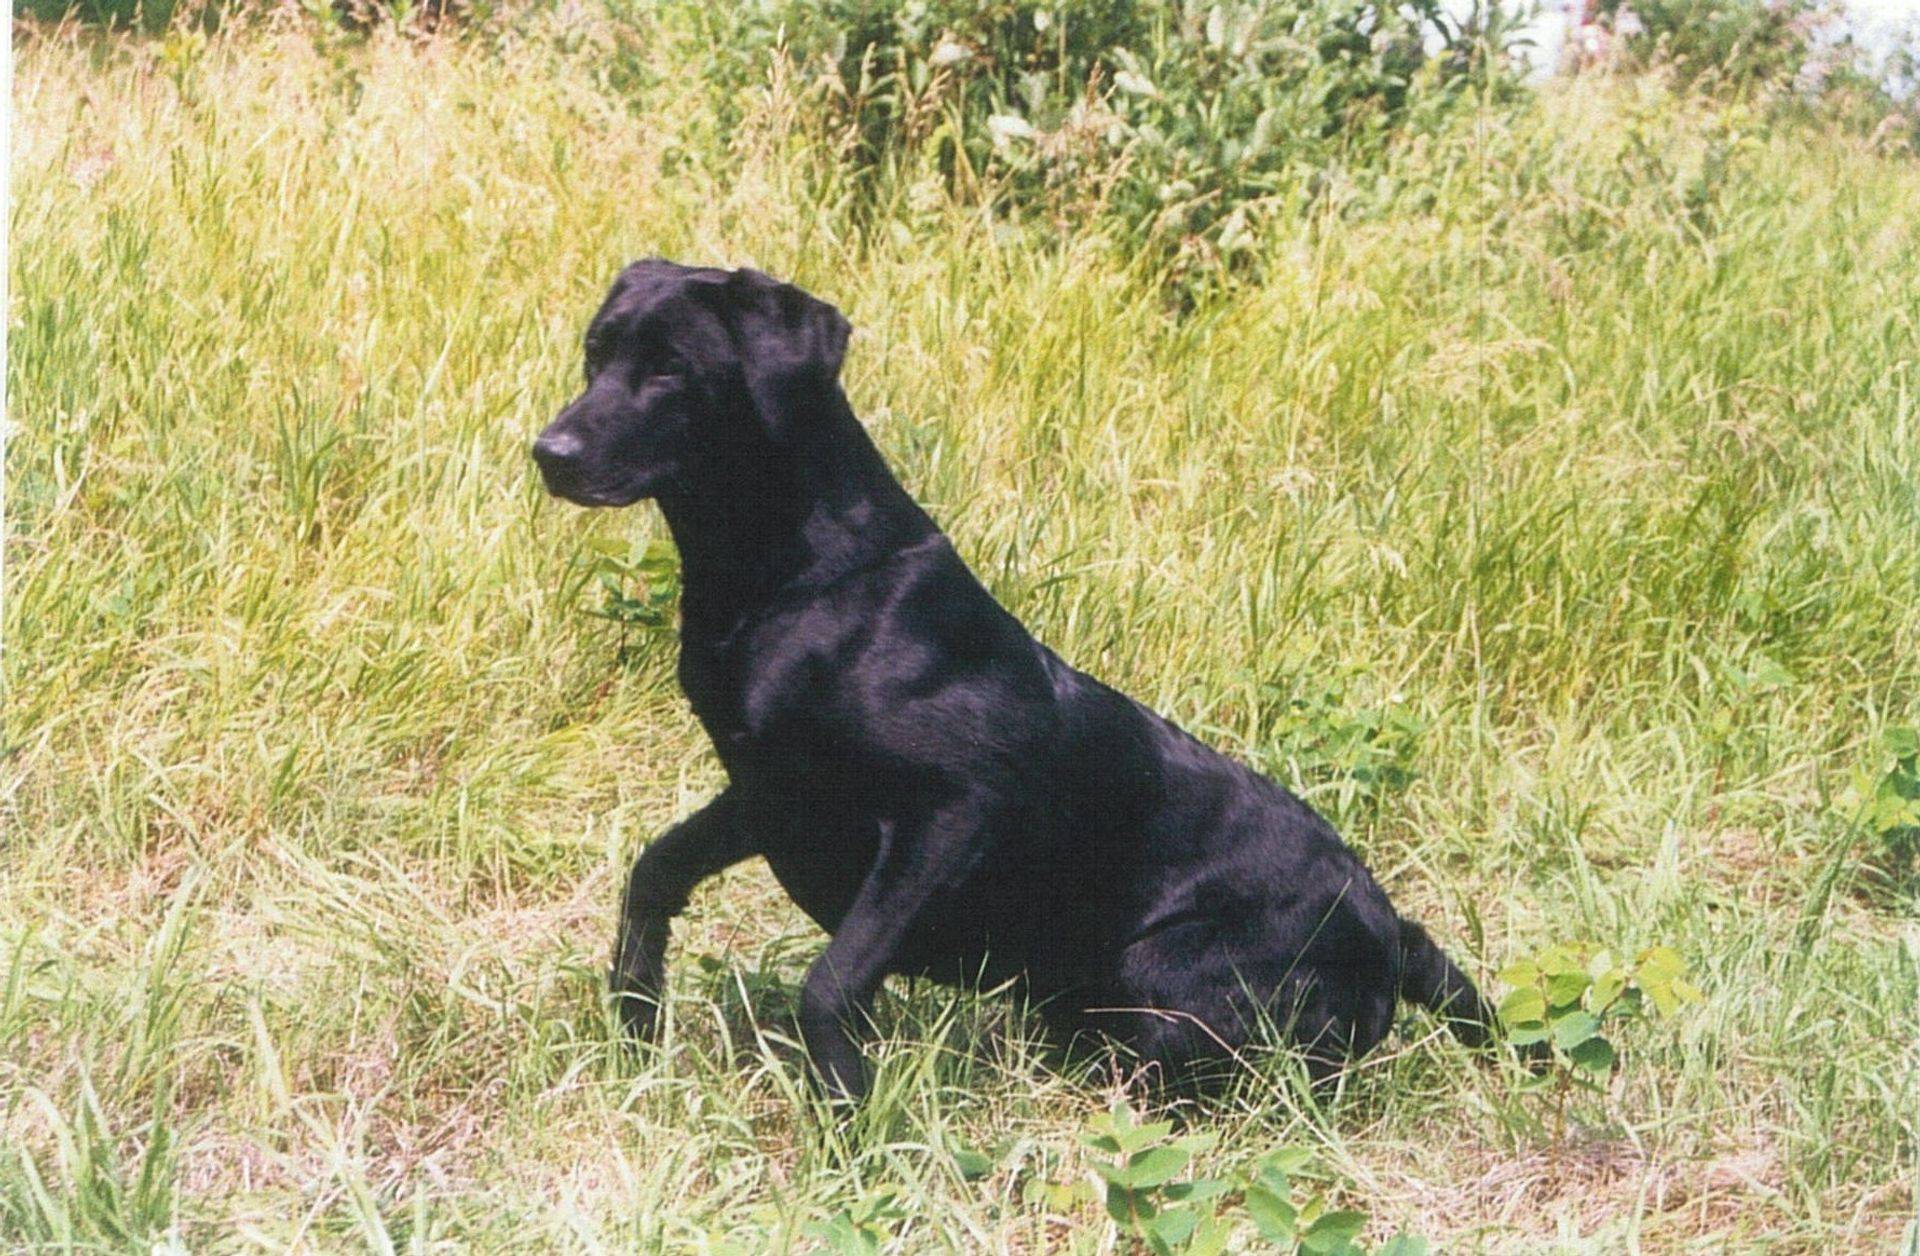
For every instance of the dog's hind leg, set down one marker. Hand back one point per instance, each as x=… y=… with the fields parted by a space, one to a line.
x=663 y=877
x=1191 y=999
x=1175 y=1005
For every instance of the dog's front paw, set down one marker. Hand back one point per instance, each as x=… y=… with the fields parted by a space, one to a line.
x=839 y=1076
x=841 y=1090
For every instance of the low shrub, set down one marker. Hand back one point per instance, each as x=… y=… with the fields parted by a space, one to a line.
x=1178 y=122
x=1740 y=44
x=1797 y=55
x=1158 y=1200
x=1887 y=799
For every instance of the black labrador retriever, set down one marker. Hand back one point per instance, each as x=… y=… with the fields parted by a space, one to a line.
x=937 y=789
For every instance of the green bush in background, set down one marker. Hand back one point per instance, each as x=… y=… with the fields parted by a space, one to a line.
x=1738 y=44
x=1177 y=122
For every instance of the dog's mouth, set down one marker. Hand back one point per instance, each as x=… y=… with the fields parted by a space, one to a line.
x=575 y=473
x=582 y=495
x=570 y=481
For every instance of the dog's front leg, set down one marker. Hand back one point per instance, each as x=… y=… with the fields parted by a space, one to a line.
x=664 y=875
x=917 y=857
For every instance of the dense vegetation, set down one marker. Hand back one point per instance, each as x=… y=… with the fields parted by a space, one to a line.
x=1531 y=481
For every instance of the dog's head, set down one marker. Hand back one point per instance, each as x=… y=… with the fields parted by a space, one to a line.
x=686 y=365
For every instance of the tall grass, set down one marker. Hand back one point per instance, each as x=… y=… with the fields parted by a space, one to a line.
x=1576 y=481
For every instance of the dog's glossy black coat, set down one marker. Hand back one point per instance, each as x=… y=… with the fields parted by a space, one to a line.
x=937 y=789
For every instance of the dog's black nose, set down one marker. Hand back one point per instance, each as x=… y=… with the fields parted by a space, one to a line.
x=556 y=451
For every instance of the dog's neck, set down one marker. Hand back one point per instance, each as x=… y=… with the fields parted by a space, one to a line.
x=763 y=528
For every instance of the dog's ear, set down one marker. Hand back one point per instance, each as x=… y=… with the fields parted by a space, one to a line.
x=790 y=344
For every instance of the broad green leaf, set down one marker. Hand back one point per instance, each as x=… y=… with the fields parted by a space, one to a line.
x=1402 y=1244
x=1114 y=1131
x=972 y=1164
x=1056 y=1196
x=1561 y=959
x=1594 y=1055
x=1523 y=1005
x=1210 y=1236
x=1196 y=1191
x=1565 y=988
x=1172 y=1227
x=1288 y=1160
x=1147 y=1134
x=1129 y=1208
x=1194 y=1144
x=1573 y=1029
x=1658 y=963
x=1668 y=996
x=1274 y=1182
x=1528 y=1034
x=1333 y=1231
x=1274 y=1216
x=1155 y=1166
x=1522 y=972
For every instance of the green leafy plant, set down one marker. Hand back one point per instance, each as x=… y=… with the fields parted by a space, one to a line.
x=864 y=1228
x=1572 y=996
x=1360 y=754
x=1889 y=800
x=1308 y=1224
x=1141 y=1194
x=640 y=586
x=1144 y=1180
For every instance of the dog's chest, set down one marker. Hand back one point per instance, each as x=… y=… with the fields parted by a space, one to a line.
x=764 y=703
x=718 y=697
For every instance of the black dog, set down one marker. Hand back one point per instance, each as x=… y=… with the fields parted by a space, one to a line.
x=932 y=785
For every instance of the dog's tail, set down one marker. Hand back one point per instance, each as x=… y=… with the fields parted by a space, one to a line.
x=1429 y=978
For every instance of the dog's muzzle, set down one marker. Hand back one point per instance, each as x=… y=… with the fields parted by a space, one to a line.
x=558 y=455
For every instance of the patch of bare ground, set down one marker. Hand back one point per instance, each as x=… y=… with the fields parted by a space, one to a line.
x=1584 y=1185
x=1762 y=868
